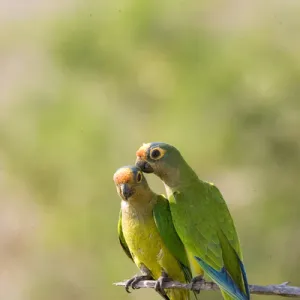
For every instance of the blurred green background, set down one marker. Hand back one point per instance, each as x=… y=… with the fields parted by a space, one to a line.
x=84 y=84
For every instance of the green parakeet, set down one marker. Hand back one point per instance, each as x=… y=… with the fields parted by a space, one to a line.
x=201 y=218
x=147 y=234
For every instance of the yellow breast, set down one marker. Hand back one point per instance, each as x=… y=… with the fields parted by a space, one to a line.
x=147 y=246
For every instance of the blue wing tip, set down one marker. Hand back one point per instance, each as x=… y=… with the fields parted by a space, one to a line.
x=244 y=278
x=224 y=280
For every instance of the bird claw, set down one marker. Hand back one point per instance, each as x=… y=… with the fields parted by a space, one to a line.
x=131 y=283
x=285 y=283
x=159 y=283
x=194 y=281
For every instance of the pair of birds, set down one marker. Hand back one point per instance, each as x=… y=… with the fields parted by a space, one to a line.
x=163 y=236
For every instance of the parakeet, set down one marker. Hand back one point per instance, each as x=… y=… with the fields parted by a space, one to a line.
x=147 y=234
x=201 y=218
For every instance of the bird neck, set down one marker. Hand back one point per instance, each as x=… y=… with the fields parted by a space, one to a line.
x=179 y=177
x=141 y=204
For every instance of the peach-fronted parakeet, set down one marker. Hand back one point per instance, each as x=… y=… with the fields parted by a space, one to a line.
x=147 y=234
x=201 y=218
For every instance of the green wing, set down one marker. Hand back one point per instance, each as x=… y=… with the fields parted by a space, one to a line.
x=211 y=234
x=225 y=220
x=211 y=222
x=163 y=220
x=121 y=237
x=199 y=233
x=230 y=244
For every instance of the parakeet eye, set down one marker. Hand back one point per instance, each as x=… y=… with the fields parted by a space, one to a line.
x=156 y=153
x=139 y=177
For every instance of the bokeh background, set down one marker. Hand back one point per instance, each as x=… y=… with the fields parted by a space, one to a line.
x=84 y=84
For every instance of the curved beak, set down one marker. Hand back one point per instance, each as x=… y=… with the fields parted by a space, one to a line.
x=143 y=165
x=126 y=191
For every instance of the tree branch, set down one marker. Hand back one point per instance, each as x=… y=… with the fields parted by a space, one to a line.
x=280 y=290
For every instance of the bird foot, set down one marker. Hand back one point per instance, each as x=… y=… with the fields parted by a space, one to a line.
x=131 y=283
x=194 y=281
x=159 y=283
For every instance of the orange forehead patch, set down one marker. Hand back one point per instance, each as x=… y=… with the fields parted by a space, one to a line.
x=123 y=176
x=142 y=151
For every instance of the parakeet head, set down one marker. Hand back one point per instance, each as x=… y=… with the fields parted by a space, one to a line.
x=130 y=182
x=158 y=158
x=165 y=161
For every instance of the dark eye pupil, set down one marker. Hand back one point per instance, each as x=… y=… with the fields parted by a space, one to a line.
x=155 y=153
x=139 y=177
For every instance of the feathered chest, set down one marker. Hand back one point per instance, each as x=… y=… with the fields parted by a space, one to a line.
x=140 y=232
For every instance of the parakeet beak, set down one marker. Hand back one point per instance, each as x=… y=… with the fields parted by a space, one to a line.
x=143 y=165
x=126 y=191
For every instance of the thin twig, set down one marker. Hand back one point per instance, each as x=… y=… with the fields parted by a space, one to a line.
x=283 y=289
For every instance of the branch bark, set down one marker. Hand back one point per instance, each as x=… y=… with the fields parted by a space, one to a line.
x=283 y=289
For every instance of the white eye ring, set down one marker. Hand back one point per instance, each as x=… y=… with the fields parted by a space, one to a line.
x=156 y=153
